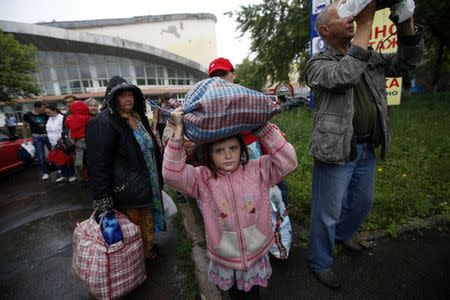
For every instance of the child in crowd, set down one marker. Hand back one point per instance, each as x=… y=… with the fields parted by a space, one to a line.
x=234 y=192
x=76 y=122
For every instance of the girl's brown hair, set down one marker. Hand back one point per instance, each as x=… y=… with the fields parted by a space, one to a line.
x=204 y=153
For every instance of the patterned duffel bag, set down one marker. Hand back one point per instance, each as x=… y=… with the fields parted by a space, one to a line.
x=215 y=109
x=108 y=271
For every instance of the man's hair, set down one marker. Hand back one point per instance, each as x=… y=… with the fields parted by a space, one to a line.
x=70 y=96
x=38 y=104
x=53 y=107
x=219 y=73
x=321 y=17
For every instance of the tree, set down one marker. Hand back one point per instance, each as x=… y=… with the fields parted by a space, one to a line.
x=17 y=63
x=249 y=74
x=279 y=32
x=433 y=14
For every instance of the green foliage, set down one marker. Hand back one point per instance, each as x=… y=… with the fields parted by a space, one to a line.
x=414 y=181
x=17 y=62
x=434 y=15
x=279 y=32
x=249 y=74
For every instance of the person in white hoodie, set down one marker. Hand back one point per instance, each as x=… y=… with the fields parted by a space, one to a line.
x=54 y=129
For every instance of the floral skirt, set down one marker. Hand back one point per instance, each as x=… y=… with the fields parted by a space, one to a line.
x=225 y=277
x=143 y=218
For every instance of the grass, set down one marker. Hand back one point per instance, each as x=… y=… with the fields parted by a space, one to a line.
x=188 y=285
x=413 y=182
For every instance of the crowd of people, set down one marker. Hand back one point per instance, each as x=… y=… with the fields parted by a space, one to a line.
x=50 y=131
x=128 y=160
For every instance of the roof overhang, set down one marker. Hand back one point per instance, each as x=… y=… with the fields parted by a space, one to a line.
x=48 y=38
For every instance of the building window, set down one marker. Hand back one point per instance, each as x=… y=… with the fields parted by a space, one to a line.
x=75 y=86
x=179 y=77
x=48 y=89
x=87 y=83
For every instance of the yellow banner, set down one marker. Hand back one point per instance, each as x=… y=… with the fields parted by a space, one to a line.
x=384 y=40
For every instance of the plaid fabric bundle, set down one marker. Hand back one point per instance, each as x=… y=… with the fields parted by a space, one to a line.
x=215 y=109
x=108 y=272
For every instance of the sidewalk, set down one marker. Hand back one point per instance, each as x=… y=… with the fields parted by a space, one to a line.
x=37 y=220
x=413 y=266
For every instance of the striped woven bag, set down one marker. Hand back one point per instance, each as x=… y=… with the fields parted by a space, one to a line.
x=215 y=109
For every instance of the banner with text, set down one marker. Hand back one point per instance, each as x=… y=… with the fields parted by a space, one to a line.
x=384 y=39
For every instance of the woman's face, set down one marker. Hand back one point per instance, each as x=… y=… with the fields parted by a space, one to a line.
x=125 y=101
x=93 y=108
x=50 y=113
x=226 y=155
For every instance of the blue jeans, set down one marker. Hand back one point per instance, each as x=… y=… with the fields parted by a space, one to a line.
x=67 y=171
x=39 y=142
x=342 y=196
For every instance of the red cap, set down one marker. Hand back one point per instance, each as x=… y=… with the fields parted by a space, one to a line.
x=220 y=64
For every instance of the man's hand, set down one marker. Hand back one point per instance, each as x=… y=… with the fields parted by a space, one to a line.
x=407 y=27
x=364 y=21
x=365 y=17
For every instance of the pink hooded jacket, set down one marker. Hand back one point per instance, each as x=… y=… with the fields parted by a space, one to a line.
x=235 y=206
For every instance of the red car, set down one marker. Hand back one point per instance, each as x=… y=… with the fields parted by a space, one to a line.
x=8 y=152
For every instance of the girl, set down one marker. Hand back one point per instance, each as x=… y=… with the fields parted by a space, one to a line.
x=54 y=129
x=76 y=122
x=235 y=202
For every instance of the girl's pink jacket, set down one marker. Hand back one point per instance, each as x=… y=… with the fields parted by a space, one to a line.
x=235 y=206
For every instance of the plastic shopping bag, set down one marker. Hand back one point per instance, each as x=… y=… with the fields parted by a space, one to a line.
x=402 y=9
x=108 y=271
x=281 y=225
x=170 y=208
x=347 y=8
x=28 y=146
x=111 y=229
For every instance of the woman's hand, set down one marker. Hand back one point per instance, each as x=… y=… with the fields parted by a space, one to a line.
x=177 y=118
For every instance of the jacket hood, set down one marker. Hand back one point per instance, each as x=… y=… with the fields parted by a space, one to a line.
x=117 y=85
x=79 y=108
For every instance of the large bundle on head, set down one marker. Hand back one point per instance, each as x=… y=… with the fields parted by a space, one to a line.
x=215 y=109
x=401 y=9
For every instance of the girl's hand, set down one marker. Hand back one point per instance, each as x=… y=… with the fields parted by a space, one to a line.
x=177 y=116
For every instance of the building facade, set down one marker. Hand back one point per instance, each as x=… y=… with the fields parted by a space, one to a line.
x=160 y=54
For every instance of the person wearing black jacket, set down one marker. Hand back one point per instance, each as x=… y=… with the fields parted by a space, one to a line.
x=125 y=161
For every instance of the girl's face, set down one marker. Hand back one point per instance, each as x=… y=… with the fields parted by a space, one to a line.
x=50 y=113
x=125 y=101
x=93 y=108
x=226 y=155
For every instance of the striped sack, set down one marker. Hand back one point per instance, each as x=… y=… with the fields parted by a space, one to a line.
x=215 y=109
x=108 y=271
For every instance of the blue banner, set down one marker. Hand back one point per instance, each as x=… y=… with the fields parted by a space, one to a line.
x=316 y=43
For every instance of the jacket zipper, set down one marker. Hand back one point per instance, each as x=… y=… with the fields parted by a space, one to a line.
x=238 y=223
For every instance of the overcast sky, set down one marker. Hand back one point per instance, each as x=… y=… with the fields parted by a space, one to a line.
x=228 y=44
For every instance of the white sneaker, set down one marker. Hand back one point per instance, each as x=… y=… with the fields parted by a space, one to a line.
x=45 y=176
x=72 y=179
x=60 y=179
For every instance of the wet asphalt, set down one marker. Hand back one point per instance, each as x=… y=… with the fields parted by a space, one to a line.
x=37 y=220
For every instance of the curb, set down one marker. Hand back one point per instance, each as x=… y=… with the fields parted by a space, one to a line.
x=201 y=261
x=404 y=228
